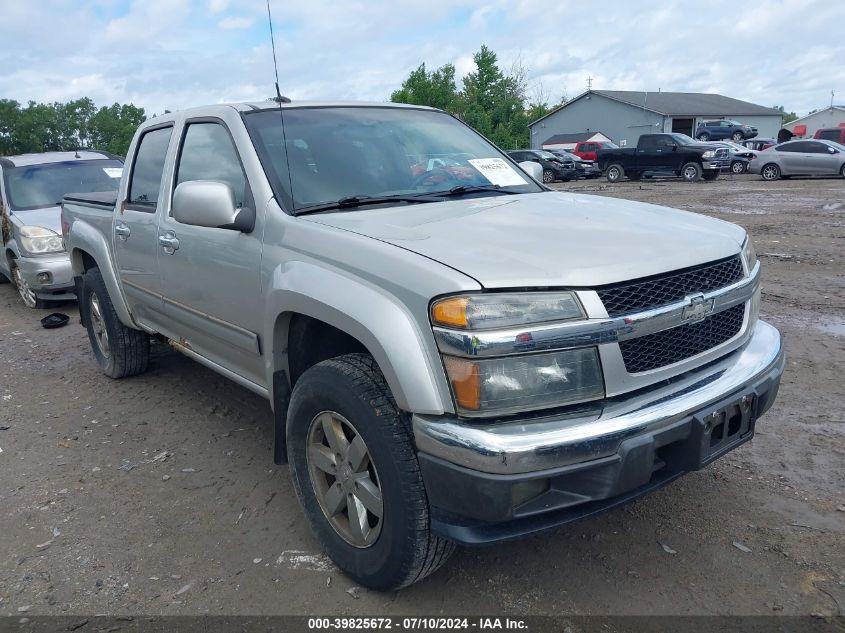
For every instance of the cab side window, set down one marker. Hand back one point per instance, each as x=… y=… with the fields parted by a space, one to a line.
x=148 y=168
x=208 y=153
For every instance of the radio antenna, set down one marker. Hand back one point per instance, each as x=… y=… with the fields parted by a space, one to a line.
x=279 y=96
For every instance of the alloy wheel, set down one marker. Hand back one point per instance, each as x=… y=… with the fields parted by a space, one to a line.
x=690 y=173
x=737 y=168
x=98 y=325
x=26 y=293
x=770 y=172
x=344 y=479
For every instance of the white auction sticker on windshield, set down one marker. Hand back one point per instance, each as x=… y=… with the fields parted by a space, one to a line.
x=497 y=171
x=113 y=172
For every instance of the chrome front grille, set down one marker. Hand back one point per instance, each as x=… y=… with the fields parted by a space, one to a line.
x=659 y=290
x=670 y=346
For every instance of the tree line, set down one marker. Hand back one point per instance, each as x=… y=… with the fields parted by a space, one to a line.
x=492 y=100
x=78 y=124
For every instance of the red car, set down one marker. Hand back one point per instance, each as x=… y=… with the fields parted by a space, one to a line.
x=835 y=134
x=587 y=150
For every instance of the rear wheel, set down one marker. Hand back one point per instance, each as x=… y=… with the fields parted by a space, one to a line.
x=548 y=176
x=704 y=136
x=738 y=137
x=770 y=172
x=120 y=351
x=691 y=172
x=357 y=477
x=615 y=173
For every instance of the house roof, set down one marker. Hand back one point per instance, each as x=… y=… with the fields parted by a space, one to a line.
x=678 y=103
x=571 y=138
x=819 y=111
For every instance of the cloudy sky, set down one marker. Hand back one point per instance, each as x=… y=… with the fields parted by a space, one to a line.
x=177 y=53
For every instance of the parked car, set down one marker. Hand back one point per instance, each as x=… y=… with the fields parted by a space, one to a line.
x=740 y=156
x=759 y=144
x=586 y=168
x=31 y=190
x=447 y=362
x=835 y=134
x=724 y=129
x=800 y=158
x=664 y=154
x=588 y=150
x=554 y=168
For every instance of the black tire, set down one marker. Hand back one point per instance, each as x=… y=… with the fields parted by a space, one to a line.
x=405 y=550
x=691 y=172
x=770 y=172
x=635 y=176
x=126 y=351
x=738 y=167
x=704 y=136
x=548 y=176
x=615 y=172
x=842 y=170
x=738 y=137
x=711 y=175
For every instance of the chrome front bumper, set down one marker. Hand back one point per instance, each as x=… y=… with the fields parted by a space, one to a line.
x=526 y=446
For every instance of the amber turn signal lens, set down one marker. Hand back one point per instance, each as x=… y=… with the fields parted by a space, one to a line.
x=451 y=311
x=466 y=385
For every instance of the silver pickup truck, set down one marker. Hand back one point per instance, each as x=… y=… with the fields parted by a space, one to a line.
x=453 y=352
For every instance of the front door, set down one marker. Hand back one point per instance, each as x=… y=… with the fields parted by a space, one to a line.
x=210 y=276
x=135 y=228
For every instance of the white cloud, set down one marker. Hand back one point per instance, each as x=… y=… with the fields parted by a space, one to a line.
x=178 y=53
x=235 y=22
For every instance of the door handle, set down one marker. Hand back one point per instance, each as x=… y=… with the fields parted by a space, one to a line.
x=169 y=242
x=122 y=231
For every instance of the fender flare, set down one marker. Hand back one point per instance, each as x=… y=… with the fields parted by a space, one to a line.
x=83 y=238
x=382 y=324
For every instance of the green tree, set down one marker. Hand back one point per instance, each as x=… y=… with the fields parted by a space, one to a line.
x=788 y=117
x=436 y=88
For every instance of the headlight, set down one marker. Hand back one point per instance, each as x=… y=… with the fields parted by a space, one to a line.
x=749 y=255
x=481 y=312
x=37 y=240
x=708 y=154
x=524 y=383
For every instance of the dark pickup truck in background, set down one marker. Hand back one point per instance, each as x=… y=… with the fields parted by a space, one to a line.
x=662 y=155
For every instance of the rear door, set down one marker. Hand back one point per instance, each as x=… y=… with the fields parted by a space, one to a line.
x=211 y=284
x=135 y=227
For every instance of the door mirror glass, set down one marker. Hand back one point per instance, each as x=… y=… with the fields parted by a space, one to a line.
x=831 y=150
x=533 y=169
x=208 y=203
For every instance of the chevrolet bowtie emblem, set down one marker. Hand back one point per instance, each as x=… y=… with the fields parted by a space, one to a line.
x=697 y=308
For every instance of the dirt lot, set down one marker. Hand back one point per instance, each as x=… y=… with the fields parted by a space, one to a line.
x=158 y=494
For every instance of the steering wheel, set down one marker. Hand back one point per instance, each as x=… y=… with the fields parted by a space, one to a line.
x=440 y=171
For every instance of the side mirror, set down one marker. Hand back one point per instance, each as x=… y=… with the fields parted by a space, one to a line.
x=211 y=204
x=830 y=149
x=534 y=170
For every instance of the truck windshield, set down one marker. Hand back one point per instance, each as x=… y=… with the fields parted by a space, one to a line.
x=40 y=186
x=333 y=153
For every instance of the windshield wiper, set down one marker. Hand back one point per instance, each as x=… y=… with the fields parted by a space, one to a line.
x=462 y=189
x=350 y=202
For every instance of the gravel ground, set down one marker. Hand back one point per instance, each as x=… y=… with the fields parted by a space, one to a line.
x=158 y=495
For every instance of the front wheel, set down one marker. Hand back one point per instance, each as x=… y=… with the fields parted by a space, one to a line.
x=615 y=173
x=120 y=351
x=26 y=293
x=356 y=474
x=842 y=171
x=738 y=167
x=548 y=176
x=691 y=172
x=770 y=172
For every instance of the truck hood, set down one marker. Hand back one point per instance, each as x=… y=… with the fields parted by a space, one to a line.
x=547 y=239
x=48 y=218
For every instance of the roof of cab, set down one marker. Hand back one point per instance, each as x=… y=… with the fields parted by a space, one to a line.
x=43 y=158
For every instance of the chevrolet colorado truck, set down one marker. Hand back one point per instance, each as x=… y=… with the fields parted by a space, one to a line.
x=453 y=356
x=664 y=154
x=31 y=189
